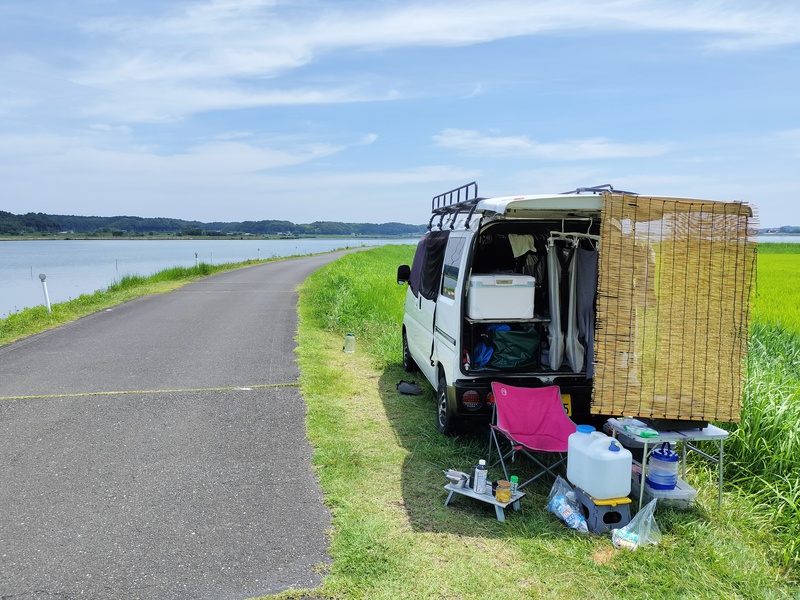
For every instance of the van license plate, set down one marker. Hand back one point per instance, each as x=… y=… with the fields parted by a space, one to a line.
x=566 y=400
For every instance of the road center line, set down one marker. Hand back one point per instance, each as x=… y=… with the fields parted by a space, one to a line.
x=176 y=391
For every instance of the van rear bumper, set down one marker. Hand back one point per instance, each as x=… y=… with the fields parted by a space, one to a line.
x=473 y=397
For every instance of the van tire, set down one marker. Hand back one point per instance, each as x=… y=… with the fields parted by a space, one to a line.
x=409 y=366
x=445 y=420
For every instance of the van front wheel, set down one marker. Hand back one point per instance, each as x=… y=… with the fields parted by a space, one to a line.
x=445 y=420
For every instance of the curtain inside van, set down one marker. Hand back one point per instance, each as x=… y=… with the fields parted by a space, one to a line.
x=562 y=273
x=673 y=307
x=426 y=270
x=586 y=267
x=555 y=335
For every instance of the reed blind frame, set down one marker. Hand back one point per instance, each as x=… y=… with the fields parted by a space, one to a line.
x=673 y=307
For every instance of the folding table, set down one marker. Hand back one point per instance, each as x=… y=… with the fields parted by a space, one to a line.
x=499 y=507
x=682 y=437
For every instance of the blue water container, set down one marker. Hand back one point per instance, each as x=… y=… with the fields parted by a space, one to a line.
x=662 y=468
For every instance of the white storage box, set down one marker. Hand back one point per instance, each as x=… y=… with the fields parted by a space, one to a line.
x=683 y=496
x=500 y=297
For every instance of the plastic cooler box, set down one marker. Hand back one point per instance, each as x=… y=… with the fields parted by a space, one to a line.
x=500 y=297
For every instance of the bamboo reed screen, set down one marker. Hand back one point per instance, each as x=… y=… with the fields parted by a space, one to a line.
x=673 y=307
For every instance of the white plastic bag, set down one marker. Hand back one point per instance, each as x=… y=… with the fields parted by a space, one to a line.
x=563 y=503
x=642 y=530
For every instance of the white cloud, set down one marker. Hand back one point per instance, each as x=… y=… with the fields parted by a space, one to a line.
x=264 y=37
x=376 y=179
x=89 y=154
x=169 y=61
x=741 y=24
x=222 y=180
x=472 y=143
x=234 y=135
x=124 y=129
x=170 y=102
x=198 y=54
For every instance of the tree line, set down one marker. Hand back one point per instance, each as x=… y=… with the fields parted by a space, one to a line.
x=32 y=223
x=784 y=229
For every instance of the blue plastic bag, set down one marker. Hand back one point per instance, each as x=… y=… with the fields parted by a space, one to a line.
x=481 y=355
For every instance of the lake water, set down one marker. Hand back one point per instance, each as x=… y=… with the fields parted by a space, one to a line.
x=776 y=239
x=75 y=267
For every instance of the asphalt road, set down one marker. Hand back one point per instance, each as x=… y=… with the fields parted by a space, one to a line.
x=157 y=450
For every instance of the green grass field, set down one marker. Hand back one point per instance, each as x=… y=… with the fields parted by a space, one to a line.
x=380 y=458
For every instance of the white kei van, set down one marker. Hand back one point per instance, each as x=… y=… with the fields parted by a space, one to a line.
x=506 y=289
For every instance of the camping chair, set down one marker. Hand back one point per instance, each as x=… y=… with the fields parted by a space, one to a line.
x=532 y=420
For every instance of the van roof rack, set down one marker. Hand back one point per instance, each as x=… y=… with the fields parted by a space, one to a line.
x=455 y=199
x=599 y=189
x=453 y=202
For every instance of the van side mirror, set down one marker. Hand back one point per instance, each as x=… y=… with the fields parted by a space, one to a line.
x=403 y=274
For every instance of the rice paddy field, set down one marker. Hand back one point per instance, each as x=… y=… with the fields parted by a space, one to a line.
x=777 y=300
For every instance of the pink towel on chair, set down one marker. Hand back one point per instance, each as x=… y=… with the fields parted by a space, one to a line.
x=533 y=417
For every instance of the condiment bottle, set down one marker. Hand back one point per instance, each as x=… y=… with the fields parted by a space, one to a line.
x=503 y=492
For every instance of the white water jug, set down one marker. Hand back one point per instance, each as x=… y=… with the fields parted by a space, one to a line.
x=598 y=464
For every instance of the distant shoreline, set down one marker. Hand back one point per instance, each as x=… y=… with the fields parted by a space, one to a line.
x=410 y=237
x=86 y=237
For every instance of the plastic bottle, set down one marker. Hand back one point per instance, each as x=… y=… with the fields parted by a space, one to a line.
x=624 y=538
x=481 y=474
x=560 y=505
x=514 y=485
x=349 y=343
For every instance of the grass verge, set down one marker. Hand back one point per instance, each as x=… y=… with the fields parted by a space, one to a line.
x=379 y=460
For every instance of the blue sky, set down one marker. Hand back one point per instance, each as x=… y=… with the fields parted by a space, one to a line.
x=231 y=110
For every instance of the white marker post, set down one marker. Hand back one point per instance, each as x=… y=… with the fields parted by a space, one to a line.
x=42 y=276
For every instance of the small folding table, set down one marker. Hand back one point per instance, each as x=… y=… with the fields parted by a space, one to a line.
x=499 y=507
